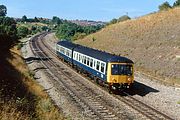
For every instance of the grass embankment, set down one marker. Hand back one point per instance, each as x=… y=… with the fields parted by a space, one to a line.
x=21 y=98
x=151 y=41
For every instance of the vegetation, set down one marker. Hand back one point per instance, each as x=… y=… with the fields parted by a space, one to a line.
x=20 y=96
x=72 y=31
x=22 y=31
x=56 y=20
x=164 y=6
x=176 y=4
x=8 y=33
x=3 y=10
x=153 y=32
x=120 y=19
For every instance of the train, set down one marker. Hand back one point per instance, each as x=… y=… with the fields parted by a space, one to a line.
x=115 y=72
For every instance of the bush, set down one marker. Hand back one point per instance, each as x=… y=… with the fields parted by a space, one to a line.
x=164 y=6
x=124 y=18
x=22 y=31
x=177 y=3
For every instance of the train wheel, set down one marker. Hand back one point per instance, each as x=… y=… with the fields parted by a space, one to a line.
x=110 y=89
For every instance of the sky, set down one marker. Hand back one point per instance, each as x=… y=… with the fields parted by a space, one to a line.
x=98 y=10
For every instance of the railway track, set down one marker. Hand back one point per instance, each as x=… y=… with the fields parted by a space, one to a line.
x=94 y=104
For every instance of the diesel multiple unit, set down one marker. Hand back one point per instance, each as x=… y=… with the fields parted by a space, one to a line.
x=115 y=71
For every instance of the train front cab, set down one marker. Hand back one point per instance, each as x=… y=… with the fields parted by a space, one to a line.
x=120 y=75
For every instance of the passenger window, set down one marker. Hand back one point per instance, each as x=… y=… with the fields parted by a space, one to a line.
x=63 y=50
x=88 y=61
x=74 y=55
x=102 y=67
x=70 y=54
x=98 y=65
x=57 y=48
x=77 y=56
x=94 y=63
x=84 y=59
x=66 y=52
x=91 y=62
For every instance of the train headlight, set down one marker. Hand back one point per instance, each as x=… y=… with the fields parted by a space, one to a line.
x=129 y=79
x=114 y=80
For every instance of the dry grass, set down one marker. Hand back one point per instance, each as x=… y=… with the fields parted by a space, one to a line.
x=151 y=41
x=10 y=112
x=34 y=103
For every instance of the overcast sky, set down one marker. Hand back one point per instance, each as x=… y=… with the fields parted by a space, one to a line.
x=103 y=10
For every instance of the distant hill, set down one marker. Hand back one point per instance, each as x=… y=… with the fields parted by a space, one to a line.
x=152 y=42
x=87 y=22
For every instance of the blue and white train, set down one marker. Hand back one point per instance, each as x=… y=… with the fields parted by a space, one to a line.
x=115 y=71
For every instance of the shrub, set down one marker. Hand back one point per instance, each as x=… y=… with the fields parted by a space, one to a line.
x=164 y=6
x=177 y=3
x=124 y=18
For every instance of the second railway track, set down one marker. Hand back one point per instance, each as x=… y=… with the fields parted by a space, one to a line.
x=94 y=103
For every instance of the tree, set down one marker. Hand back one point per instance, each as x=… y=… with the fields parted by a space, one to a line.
x=22 y=31
x=177 y=3
x=3 y=10
x=36 y=19
x=56 y=20
x=164 y=6
x=124 y=18
x=113 y=21
x=24 y=18
x=8 y=33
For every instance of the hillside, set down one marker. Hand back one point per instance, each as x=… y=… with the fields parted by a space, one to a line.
x=152 y=42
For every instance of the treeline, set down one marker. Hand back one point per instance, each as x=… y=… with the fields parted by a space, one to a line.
x=64 y=29
x=13 y=29
x=8 y=30
x=25 y=26
x=71 y=31
x=166 y=5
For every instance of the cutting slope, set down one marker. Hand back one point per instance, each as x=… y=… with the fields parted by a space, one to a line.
x=152 y=42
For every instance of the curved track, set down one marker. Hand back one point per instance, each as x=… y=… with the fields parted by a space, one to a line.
x=94 y=104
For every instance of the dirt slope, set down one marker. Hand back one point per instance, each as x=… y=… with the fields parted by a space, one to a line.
x=152 y=42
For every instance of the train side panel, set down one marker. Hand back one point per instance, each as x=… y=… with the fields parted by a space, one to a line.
x=64 y=53
x=91 y=71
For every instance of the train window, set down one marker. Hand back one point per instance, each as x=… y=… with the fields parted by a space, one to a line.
x=94 y=63
x=84 y=59
x=74 y=55
x=87 y=61
x=102 y=67
x=67 y=52
x=60 y=49
x=63 y=50
x=91 y=62
x=98 y=65
x=70 y=54
x=57 y=48
x=79 y=57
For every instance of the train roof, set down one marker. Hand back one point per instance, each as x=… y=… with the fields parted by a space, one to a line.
x=67 y=44
x=101 y=55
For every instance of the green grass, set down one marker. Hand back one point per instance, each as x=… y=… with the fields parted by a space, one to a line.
x=178 y=102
